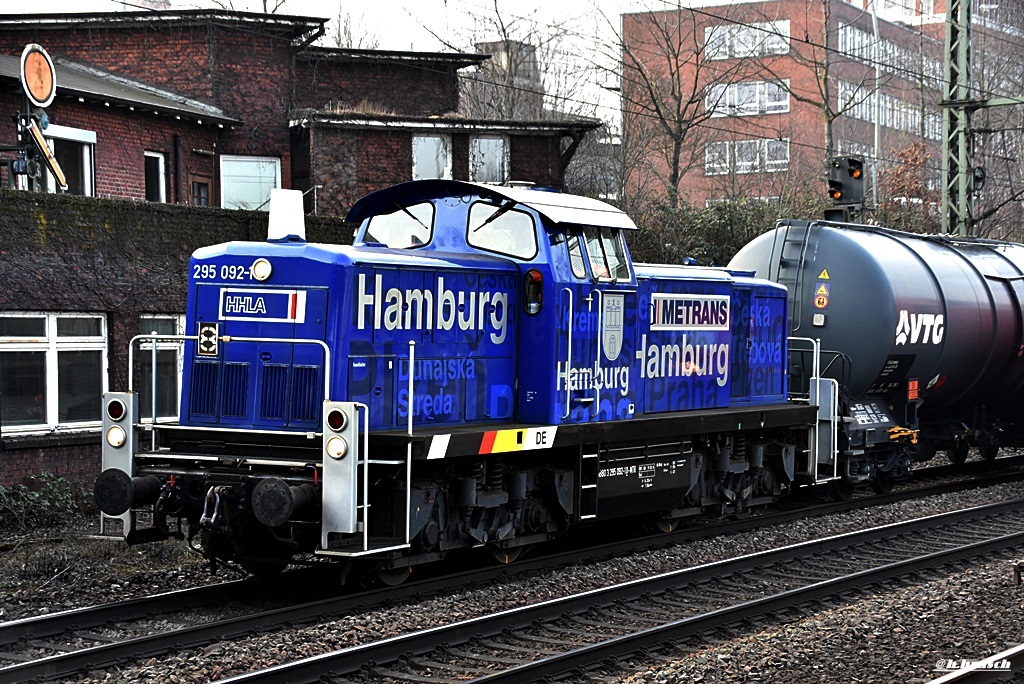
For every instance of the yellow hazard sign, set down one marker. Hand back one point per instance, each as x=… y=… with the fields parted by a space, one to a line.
x=821 y=301
x=823 y=275
x=821 y=289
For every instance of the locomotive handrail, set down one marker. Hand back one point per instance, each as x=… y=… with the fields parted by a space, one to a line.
x=568 y=359
x=155 y=338
x=600 y=339
x=223 y=338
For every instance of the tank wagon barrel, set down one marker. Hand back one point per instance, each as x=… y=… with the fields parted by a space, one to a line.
x=947 y=311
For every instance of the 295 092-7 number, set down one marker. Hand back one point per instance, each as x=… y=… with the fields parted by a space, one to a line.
x=223 y=272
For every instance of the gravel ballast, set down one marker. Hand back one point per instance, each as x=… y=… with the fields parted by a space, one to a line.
x=898 y=635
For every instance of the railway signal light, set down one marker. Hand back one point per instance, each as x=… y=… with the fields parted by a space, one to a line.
x=846 y=180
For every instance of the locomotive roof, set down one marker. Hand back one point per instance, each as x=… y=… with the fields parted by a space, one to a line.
x=557 y=207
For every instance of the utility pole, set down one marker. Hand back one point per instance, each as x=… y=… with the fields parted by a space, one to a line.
x=957 y=144
x=960 y=178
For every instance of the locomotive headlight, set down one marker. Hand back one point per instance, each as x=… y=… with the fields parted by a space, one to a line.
x=116 y=436
x=260 y=269
x=337 y=420
x=116 y=409
x=337 y=448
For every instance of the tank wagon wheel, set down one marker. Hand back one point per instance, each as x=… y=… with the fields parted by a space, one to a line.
x=958 y=452
x=989 y=451
x=742 y=513
x=264 y=568
x=391 y=577
x=667 y=525
x=841 y=489
x=505 y=556
x=883 y=483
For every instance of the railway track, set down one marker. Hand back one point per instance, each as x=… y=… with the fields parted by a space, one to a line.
x=61 y=644
x=572 y=634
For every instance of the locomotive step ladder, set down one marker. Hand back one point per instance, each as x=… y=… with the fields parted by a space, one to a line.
x=348 y=504
x=822 y=452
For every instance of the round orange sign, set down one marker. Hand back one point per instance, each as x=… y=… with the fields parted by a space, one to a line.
x=37 y=75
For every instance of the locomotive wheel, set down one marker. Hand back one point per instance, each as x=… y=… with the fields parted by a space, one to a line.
x=958 y=452
x=883 y=483
x=841 y=489
x=989 y=452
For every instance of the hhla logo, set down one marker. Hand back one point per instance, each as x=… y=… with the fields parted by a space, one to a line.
x=922 y=328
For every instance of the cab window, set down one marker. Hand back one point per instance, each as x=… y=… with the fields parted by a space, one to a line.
x=606 y=254
x=499 y=228
x=579 y=269
x=404 y=228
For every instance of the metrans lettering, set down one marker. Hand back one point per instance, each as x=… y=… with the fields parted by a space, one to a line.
x=689 y=312
x=416 y=309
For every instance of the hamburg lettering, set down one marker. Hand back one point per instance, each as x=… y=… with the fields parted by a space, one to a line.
x=683 y=360
x=416 y=309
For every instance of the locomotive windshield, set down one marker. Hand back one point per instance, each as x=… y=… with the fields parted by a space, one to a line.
x=606 y=253
x=499 y=228
x=405 y=228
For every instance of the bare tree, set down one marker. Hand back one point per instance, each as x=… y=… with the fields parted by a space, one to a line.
x=348 y=31
x=534 y=72
x=666 y=80
x=261 y=6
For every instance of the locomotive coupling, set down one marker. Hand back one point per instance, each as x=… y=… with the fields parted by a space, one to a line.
x=274 y=501
x=898 y=432
x=116 y=491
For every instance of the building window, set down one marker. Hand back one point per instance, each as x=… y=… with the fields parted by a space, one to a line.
x=747 y=99
x=431 y=157
x=156 y=182
x=200 y=189
x=746 y=156
x=169 y=355
x=52 y=371
x=738 y=41
x=73 y=150
x=246 y=182
x=488 y=159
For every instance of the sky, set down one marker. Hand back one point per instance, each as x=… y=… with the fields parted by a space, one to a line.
x=396 y=24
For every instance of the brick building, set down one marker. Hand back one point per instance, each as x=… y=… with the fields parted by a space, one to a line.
x=262 y=107
x=210 y=109
x=776 y=87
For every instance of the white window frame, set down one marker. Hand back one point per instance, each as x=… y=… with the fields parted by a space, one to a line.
x=724 y=99
x=754 y=160
x=161 y=164
x=418 y=172
x=739 y=41
x=475 y=153
x=88 y=141
x=146 y=351
x=51 y=345
x=225 y=187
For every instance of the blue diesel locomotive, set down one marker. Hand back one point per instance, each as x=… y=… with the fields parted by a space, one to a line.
x=484 y=366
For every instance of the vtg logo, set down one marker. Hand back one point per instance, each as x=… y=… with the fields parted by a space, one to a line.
x=922 y=328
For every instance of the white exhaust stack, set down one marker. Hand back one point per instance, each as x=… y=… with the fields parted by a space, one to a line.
x=287 y=220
